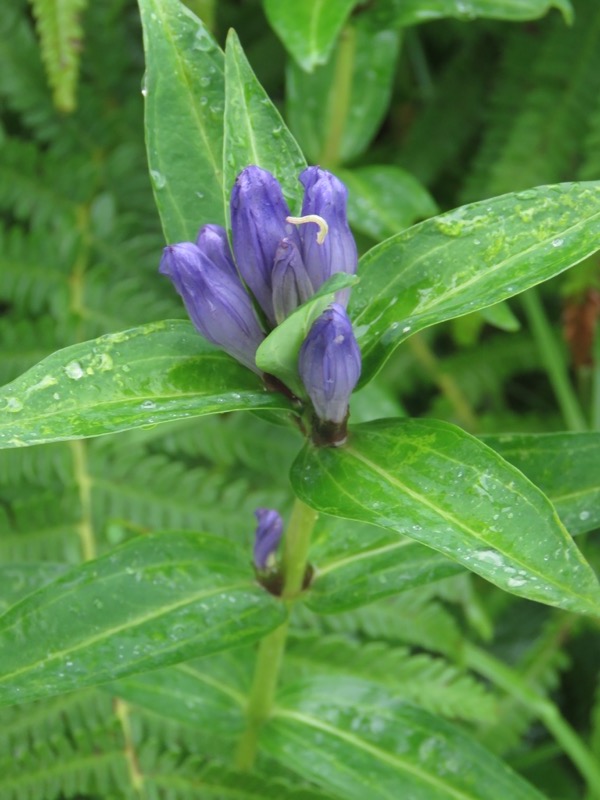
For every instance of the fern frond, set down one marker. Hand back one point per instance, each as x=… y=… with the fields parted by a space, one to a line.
x=61 y=37
x=407 y=619
x=549 y=78
x=541 y=669
x=432 y=683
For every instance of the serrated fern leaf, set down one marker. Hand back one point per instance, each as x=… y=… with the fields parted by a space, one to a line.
x=61 y=37
x=432 y=683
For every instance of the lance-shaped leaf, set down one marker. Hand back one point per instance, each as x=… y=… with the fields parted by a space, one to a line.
x=336 y=126
x=412 y=12
x=308 y=30
x=468 y=259
x=565 y=466
x=151 y=374
x=358 y=740
x=358 y=563
x=434 y=483
x=255 y=132
x=157 y=600
x=184 y=90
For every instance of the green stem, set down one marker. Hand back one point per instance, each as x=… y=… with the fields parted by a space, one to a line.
x=271 y=649
x=338 y=101
x=554 y=361
x=512 y=683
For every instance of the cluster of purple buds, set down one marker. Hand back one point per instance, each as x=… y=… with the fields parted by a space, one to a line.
x=278 y=263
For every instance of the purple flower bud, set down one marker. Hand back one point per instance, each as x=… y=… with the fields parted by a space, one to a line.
x=329 y=364
x=212 y=240
x=258 y=224
x=291 y=284
x=326 y=196
x=268 y=534
x=216 y=301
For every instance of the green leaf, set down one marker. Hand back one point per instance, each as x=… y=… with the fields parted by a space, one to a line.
x=412 y=12
x=255 y=132
x=185 y=693
x=565 y=466
x=335 y=126
x=434 y=483
x=384 y=200
x=501 y=316
x=157 y=600
x=151 y=374
x=308 y=29
x=278 y=354
x=357 y=563
x=19 y=580
x=61 y=35
x=357 y=739
x=184 y=93
x=468 y=259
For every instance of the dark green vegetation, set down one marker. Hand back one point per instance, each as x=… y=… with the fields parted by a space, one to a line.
x=488 y=98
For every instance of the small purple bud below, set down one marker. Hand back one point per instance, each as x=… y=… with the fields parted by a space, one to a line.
x=329 y=364
x=267 y=536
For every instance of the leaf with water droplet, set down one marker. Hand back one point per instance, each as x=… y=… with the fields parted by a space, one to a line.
x=436 y=272
x=151 y=374
x=403 y=475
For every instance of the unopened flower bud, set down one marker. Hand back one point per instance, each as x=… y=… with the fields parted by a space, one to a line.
x=216 y=301
x=329 y=364
x=212 y=240
x=267 y=536
x=258 y=225
x=326 y=196
x=291 y=284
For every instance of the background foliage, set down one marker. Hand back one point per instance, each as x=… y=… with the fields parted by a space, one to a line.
x=433 y=115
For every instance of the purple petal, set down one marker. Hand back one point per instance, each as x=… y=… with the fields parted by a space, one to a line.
x=267 y=536
x=217 y=303
x=291 y=284
x=258 y=213
x=329 y=364
x=212 y=240
x=326 y=196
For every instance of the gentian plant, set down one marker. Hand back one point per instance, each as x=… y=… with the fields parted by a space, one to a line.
x=235 y=638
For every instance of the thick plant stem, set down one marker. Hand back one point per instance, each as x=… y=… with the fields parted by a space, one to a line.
x=553 y=361
x=512 y=683
x=270 y=652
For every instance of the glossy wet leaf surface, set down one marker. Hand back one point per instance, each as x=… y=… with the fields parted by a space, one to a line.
x=144 y=376
x=566 y=467
x=357 y=563
x=432 y=482
x=356 y=739
x=255 y=132
x=157 y=600
x=184 y=81
x=468 y=259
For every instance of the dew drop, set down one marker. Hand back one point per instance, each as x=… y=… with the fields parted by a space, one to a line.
x=74 y=370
